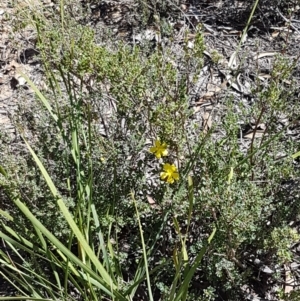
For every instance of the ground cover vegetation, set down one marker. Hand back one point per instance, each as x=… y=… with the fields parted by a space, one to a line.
x=116 y=191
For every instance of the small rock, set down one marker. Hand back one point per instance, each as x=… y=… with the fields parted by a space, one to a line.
x=266 y=269
x=294 y=266
x=257 y=261
x=21 y=80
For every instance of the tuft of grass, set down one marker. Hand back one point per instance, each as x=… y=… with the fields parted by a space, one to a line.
x=90 y=214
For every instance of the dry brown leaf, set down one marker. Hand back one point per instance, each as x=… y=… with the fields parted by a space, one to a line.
x=201 y=101
x=213 y=88
x=152 y=203
x=289 y=281
x=207 y=121
x=264 y=54
x=258 y=134
x=208 y=95
x=200 y=104
x=233 y=61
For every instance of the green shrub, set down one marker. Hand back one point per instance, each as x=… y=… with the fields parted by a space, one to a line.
x=106 y=106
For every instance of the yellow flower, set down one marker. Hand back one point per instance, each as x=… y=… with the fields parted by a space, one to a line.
x=159 y=149
x=170 y=173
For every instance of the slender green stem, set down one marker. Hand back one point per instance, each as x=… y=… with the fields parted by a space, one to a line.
x=144 y=249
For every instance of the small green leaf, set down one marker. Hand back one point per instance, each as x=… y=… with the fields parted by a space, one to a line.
x=296 y=155
x=230 y=176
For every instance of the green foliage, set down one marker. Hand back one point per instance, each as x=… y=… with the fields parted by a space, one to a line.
x=101 y=191
x=281 y=239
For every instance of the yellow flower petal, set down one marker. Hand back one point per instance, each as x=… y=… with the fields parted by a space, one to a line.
x=164 y=174
x=170 y=173
x=170 y=180
x=159 y=149
x=176 y=176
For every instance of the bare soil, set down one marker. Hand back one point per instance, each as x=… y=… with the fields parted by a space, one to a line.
x=271 y=32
